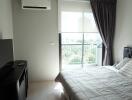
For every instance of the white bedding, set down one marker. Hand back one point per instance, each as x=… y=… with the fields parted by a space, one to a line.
x=96 y=83
x=111 y=68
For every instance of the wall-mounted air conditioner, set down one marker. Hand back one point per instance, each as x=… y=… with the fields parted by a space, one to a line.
x=36 y=4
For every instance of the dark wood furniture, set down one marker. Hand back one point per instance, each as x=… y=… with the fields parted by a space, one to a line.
x=15 y=85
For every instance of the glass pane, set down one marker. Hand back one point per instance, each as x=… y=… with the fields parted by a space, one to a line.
x=72 y=38
x=92 y=38
x=71 y=22
x=71 y=54
x=89 y=23
x=90 y=54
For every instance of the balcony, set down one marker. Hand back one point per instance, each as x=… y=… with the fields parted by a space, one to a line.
x=79 y=50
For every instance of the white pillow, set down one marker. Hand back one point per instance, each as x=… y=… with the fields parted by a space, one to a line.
x=122 y=63
x=111 y=68
x=127 y=69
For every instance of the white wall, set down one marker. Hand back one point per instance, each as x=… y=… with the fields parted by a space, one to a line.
x=36 y=40
x=6 y=25
x=123 y=35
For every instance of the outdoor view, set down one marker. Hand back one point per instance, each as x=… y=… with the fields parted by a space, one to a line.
x=78 y=48
x=81 y=42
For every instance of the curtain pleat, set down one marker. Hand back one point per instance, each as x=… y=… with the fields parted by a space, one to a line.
x=104 y=12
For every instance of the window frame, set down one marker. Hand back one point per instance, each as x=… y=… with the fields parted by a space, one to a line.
x=60 y=2
x=83 y=48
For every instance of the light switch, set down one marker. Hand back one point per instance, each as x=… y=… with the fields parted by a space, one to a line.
x=52 y=43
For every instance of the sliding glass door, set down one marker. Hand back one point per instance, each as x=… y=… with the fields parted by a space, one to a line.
x=80 y=40
x=80 y=49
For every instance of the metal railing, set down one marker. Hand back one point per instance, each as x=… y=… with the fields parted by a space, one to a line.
x=79 y=54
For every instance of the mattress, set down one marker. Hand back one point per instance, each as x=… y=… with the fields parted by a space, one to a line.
x=96 y=83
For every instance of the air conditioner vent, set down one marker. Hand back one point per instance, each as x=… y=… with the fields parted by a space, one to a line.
x=34 y=7
x=36 y=4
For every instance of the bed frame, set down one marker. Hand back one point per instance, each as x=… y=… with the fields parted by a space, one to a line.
x=126 y=53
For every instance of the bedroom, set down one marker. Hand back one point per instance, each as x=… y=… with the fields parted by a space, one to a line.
x=35 y=36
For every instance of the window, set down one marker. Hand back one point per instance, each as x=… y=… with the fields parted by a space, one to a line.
x=80 y=40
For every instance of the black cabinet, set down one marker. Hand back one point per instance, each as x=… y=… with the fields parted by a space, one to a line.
x=15 y=85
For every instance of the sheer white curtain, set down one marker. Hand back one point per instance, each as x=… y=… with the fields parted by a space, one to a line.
x=76 y=16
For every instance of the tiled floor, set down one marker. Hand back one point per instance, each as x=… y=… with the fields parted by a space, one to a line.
x=45 y=91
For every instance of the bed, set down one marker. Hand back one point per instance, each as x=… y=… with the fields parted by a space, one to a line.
x=97 y=83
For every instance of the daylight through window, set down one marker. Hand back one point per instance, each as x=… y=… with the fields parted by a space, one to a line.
x=80 y=40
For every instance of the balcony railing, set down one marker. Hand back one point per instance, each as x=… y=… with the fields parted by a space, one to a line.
x=79 y=54
x=81 y=49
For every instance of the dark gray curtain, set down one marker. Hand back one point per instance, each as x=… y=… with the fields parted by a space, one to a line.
x=104 y=12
